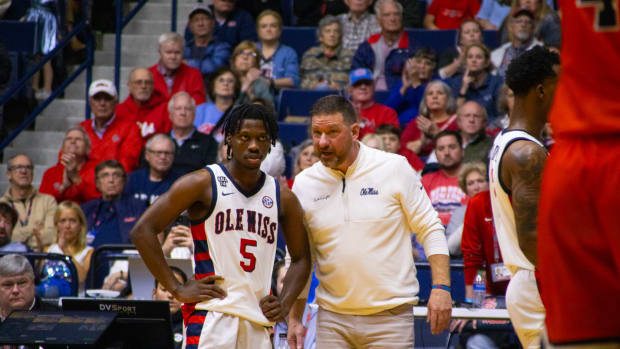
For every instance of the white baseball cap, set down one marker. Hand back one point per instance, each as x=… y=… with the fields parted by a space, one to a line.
x=102 y=85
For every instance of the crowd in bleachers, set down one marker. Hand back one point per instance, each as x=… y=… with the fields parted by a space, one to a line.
x=440 y=110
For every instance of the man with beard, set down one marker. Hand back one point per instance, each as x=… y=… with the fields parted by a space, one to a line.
x=521 y=25
x=442 y=186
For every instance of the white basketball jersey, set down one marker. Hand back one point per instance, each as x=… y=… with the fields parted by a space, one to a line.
x=503 y=215
x=237 y=241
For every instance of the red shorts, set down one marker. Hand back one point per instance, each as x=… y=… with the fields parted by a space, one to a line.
x=579 y=240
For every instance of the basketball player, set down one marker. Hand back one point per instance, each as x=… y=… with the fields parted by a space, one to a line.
x=579 y=248
x=517 y=160
x=235 y=211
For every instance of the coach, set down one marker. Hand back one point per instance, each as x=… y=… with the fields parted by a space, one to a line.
x=361 y=205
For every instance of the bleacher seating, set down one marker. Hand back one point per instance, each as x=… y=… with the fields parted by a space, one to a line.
x=302 y=38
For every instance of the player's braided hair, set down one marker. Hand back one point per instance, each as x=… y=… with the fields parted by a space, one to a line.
x=530 y=69
x=232 y=119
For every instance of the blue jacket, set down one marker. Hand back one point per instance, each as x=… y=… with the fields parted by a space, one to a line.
x=406 y=106
x=126 y=211
x=394 y=62
x=207 y=59
x=486 y=95
x=285 y=63
x=142 y=188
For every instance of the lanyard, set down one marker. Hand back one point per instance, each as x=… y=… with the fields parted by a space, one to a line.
x=24 y=223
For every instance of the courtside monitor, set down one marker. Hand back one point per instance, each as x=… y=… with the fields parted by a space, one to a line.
x=139 y=324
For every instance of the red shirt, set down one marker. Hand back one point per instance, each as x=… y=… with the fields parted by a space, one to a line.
x=586 y=101
x=121 y=141
x=413 y=133
x=85 y=191
x=445 y=194
x=151 y=117
x=450 y=13
x=186 y=79
x=376 y=115
x=479 y=245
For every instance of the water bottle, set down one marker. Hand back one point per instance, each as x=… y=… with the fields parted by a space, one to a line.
x=283 y=342
x=480 y=288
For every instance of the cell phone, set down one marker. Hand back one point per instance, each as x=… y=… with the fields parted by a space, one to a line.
x=183 y=219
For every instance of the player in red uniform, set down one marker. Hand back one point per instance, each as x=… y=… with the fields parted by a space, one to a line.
x=579 y=236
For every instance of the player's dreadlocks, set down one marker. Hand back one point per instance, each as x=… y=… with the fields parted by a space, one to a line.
x=232 y=119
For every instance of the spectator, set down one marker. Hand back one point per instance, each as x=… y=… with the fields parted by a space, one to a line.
x=358 y=24
x=176 y=315
x=178 y=242
x=472 y=120
x=145 y=106
x=406 y=95
x=374 y=141
x=303 y=159
x=492 y=13
x=223 y=91
x=245 y=64
x=147 y=184
x=547 y=27
x=43 y=13
x=448 y=14
x=17 y=287
x=171 y=75
x=436 y=114
x=385 y=53
x=73 y=178
x=477 y=83
x=232 y=24
x=194 y=150
x=521 y=28
x=472 y=180
x=8 y=219
x=205 y=52
x=310 y=12
x=370 y=114
x=35 y=210
x=327 y=66
x=391 y=139
x=442 y=186
x=111 y=217
x=452 y=60
x=110 y=137
x=505 y=103
x=71 y=224
x=278 y=62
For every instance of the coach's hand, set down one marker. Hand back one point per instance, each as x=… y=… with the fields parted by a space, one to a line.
x=270 y=305
x=200 y=290
x=439 y=310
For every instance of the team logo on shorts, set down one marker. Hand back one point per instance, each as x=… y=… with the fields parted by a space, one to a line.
x=222 y=180
x=267 y=201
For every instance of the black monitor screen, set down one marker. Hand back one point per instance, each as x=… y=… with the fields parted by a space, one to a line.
x=139 y=323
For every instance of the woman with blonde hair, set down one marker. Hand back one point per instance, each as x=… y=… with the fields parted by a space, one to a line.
x=278 y=62
x=71 y=237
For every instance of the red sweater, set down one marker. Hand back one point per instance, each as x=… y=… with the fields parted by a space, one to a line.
x=151 y=117
x=85 y=191
x=376 y=115
x=450 y=13
x=187 y=79
x=121 y=141
x=413 y=133
x=478 y=243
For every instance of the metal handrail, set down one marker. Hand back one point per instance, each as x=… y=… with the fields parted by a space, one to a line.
x=83 y=25
x=121 y=22
x=57 y=257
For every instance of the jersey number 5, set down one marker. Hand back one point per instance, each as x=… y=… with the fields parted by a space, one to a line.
x=249 y=256
x=605 y=13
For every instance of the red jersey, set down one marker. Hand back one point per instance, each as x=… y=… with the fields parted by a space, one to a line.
x=586 y=100
x=376 y=115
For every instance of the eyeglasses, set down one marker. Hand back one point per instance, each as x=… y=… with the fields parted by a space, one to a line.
x=247 y=54
x=21 y=167
x=160 y=152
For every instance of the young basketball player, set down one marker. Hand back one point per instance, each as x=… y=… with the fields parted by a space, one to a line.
x=235 y=211
x=515 y=169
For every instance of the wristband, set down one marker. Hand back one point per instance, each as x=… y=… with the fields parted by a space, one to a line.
x=441 y=287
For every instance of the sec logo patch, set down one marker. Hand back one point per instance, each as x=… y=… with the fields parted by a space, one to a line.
x=267 y=201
